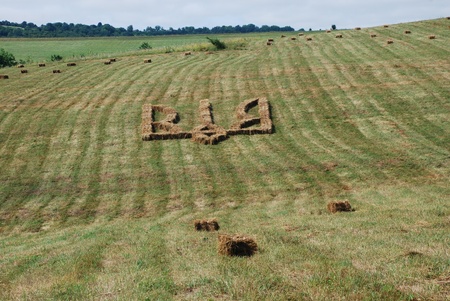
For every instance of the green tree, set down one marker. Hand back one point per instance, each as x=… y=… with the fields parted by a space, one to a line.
x=216 y=42
x=145 y=45
x=333 y=27
x=6 y=59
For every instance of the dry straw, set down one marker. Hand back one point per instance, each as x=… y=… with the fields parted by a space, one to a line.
x=4 y=76
x=147 y=61
x=208 y=133
x=57 y=71
x=71 y=64
x=206 y=225
x=236 y=245
x=167 y=126
x=24 y=71
x=339 y=36
x=41 y=65
x=334 y=207
x=246 y=121
x=432 y=37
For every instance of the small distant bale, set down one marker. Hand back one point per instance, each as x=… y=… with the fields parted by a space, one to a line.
x=20 y=66
x=448 y=18
x=269 y=40
x=269 y=43
x=373 y=35
x=236 y=245
x=301 y=34
x=206 y=225
x=24 y=71
x=41 y=65
x=4 y=76
x=187 y=53
x=385 y=26
x=107 y=63
x=147 y=61
x=71 y=64
x=390 y=41
x=309 y=39
x=283 y=36
x=293 y=39
x=407 y=31
x=328 y=31
x=358 y=28
x=432 y=37
x=56 y=71
x=112 y=60
x=344 y=206
x=339 y=36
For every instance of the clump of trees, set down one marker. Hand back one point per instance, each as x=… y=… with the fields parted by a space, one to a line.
x=59 y=29
x=7 y=59
x=217 y=43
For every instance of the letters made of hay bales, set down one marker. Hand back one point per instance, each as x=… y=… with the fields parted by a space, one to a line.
x=71 y=64
x=432 y=37
x=24 y=71
x=236 y=245
x=339 y=36
x=245 y=120
x=149 y=126
x=344 y=206
x=41 y=65
x=56 y=71
x=147 y=61
x=206 y=225
x=208 y=132
x=4 y=76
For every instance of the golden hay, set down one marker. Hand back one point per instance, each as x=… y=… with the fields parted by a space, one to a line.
x=270 y=40
x=339 y=36
x=112 y=60
x=390 y=42
x=334 y=207
x=432 y=37
x=407 y=31
x=71 y=64
x=4 y=76
x=373 y=35
x=385 y=26
x=187 y=53
x=283 y=36
x=309 y=39
x=107 y=63
x=147 y=61
x=301 y=34
x=358 y=28
x=206 y=225
x=293 y=39
x=236 y=245
x=269 y=43
x=20 y=66
x=328 y=31
x=24 y=71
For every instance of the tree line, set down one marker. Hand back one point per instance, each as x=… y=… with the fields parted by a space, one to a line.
x=62 y=29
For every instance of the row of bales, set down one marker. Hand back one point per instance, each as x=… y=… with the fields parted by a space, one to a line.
x=270 y=41
x=244 y=245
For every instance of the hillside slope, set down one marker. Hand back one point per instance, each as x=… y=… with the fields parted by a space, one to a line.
x=90 y=211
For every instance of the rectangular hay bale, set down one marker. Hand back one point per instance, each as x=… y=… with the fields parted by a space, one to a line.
x=236 y=245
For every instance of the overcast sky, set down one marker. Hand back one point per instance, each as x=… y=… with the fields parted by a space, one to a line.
x=315 y=14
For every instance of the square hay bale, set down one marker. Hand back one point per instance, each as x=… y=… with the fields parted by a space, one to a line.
x=147 y=61
x=107 y=63
x=301 y=34
x=269 y=40
x=339 y=36
x=269 y=43
x=309 y=39
x=293 y=39
x=373 y=35
x=390 y=41
x=187 y=53
x=283 y=36
x=71 y=64
x=407 y=31
x=41 y=65
x=385 y=26
x=432 y=37
x=344 y=206
x=358 y=28
x=57 y=71
x=236 y=245
x=24 y=71
x=112 y=60
x=4 y=76
x=328 y=31
x=20 y=66
x=206 y=225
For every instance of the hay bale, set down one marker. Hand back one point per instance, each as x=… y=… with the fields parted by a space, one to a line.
x=309 y=39
x=432 y=37
x=24 y=71
x=373 y=35
x=71 y=64
x=390 y=42
x=187 y=53
x=20 y=66
x=269 y=43
x=57 y=71
x=293 y=39
x=4 y=76
x=206 y=225
x=147 y=61
x=339 y=36
x=328 y=31
x=236 y=245
x=407 y=31
x=270 y=40
x=41 y=65
x=301 y=34
x=283 y=36
x=344 y=206
x=358 y=28
x=385 y=26
x=107 y=63
x=112 y=60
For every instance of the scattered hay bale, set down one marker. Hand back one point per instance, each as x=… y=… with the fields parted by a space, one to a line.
x=309 y=39
x=328 y=31
x=71 y=64
x=269 y=43
x=448 y=18
x=41 y=65
x=344 y=206
x=407 y=31
x=432 y=37
x=57 y=71
x=385 y=26
x=358 y=28
x=373 y=35
x=301 y=34
x=24 y=71
x=236 y=245
x=339 y=36
x=107 y=63
x=112 y=60
x=4 y=76
x=293 y=39
x=390 y=41
x=206 y=225
x=283 y=36
x=269 y=40
x=147 y=61
x=187 y=53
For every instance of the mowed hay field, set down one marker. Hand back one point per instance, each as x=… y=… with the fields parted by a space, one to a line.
x=89 y=211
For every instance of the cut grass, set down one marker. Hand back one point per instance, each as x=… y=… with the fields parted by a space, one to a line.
x=90 y=211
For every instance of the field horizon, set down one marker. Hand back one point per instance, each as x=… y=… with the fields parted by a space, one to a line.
x=90 y=211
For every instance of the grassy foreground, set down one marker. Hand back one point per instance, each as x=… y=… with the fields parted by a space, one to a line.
x=88 y=211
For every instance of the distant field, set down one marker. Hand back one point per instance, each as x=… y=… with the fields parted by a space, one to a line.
x=89 y=211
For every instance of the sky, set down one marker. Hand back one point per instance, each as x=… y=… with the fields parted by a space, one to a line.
x=315 y=14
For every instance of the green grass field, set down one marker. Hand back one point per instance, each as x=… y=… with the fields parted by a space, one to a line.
x=89 y=211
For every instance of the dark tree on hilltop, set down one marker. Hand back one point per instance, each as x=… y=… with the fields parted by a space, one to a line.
x=6 y=59
x=333 y=27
